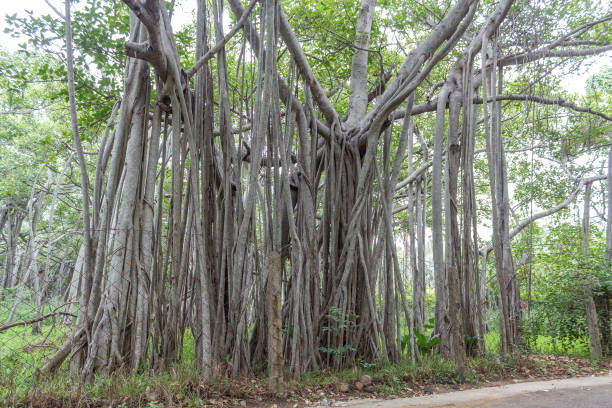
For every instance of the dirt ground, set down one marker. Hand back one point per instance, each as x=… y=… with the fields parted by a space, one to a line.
x=254 y=392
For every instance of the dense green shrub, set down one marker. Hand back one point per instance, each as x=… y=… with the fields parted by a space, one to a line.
x=560 y=271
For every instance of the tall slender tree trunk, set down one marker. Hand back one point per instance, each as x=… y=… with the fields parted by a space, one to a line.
x=591 y=311
x=15 y=220
x=453 y=244
x=439 y=260
x=605 y=326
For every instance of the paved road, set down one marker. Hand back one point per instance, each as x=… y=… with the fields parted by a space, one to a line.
x=584 y=392
x=584 y=397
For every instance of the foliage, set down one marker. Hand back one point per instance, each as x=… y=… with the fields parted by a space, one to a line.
x=561 y=271
x=339 y=323
x=425 y=343
x=32 y=123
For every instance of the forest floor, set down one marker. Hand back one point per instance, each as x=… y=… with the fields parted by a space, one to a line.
x=326 y=388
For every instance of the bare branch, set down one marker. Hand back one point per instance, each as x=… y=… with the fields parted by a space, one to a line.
x=60 y=15
x=545 y=101
x=564 y=38
x=530 y=56
x=431 y=105
x=35 y=320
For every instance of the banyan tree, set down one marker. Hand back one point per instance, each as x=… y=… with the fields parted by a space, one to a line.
x=211 y=165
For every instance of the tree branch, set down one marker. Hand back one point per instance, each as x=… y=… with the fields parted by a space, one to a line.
x=431 y=105
x=285 y=92
x=63 y=17
x=545 y=101
x=298 y=55
x=358 y=100
x=138 y=50
x=199 y=63
x=530 y=56
x=151 y=51
x=415 y=67
x=35 y=320
x=586 y=180
x=147 y=12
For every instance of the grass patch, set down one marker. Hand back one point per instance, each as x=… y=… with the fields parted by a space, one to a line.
x=567 y=347
x=22 y=354
x=548 y=345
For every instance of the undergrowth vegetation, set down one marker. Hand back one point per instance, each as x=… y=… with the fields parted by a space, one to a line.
x=182 y=386
x=22 y=353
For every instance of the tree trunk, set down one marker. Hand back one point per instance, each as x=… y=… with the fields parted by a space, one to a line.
x=453 y=244
x=605 y=309
x=440 y=270
x=591 y=311
x=275 y=349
